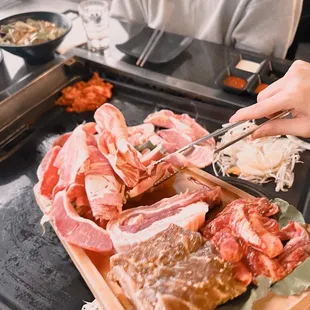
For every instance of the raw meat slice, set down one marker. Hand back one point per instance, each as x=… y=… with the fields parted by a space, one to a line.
x=242 y=273
x=142 y=129
x=70 y=158
x=297 y=249
x=48 y=173
x=294 y=230
x=140 y=134
x=228 y=246
x=198 y=156
x=113 y=144
x=154 y=275
x=77 y=193
x=139 y=224
x=162 y=118
x=197 y=128
x=261 y=264
x=175 y=136
x=244 y=232
x=147 y=158
x=161 y=170
x=61 y=140
x=168 y=147
x=167 y=119
x=248 y=224
x=183 y=123
x=75 y=229
x=103 y=190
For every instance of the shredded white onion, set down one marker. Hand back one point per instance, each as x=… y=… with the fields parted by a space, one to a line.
x=91 y=305
x=260 y=160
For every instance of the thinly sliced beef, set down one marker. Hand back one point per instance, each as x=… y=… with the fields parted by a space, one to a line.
x=177 y=269
x=75 y=229
x=114 y=145
x=103 y=190
x=48 y=173
x=70 y=158
x=187 y=210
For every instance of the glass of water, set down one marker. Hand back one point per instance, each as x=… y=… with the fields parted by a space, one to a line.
x=95 y=18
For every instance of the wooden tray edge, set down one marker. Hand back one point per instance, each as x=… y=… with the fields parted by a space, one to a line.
x=91 y=275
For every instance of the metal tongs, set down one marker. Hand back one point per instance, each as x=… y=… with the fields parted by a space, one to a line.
x=215 y=134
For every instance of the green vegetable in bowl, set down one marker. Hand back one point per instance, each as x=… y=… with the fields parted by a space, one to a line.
x=29 y=32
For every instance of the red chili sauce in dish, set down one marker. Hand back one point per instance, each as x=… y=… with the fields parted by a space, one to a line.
x=260 y=87
x=235 y=82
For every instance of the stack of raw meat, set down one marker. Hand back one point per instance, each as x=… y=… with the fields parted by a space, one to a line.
x=177 y=269
x=89 y=173
x=244 y=233
x=180 y=269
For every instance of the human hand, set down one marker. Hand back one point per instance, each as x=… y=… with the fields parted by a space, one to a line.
x=292 y=92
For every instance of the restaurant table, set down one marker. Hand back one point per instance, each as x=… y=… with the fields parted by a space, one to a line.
x=36 y=272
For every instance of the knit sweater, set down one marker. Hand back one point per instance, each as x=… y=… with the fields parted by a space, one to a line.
x=262 y=26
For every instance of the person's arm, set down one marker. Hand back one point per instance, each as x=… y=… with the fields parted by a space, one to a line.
x=292 y=92
x=268 y=26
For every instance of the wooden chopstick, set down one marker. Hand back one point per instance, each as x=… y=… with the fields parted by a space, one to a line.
x=147 y=46
x=154 y=43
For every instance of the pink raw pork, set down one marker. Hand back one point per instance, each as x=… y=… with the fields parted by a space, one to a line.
x=75 y=229
x=139 y=224
x=103 y=190
x=114 y=145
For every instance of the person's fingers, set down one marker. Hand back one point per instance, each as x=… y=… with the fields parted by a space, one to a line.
x=294 y=126
x=265 y=108
x=271 y=90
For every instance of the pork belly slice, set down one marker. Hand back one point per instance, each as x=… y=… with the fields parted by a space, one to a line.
x=70 y=158
x=147 y=181
x=114 y=145
x=103 y=190
x=139 y=224
x=175 y=269
x=48 y=173
x=75 y=229
x=181 y=122
x=140 y=134
x=198 y=156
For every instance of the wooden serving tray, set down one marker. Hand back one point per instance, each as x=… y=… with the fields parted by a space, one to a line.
x=94 y=267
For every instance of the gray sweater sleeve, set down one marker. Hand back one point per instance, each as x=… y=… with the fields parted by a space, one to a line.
x=267 y=27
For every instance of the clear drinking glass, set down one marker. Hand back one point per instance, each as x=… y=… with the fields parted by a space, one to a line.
x=95 y=18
